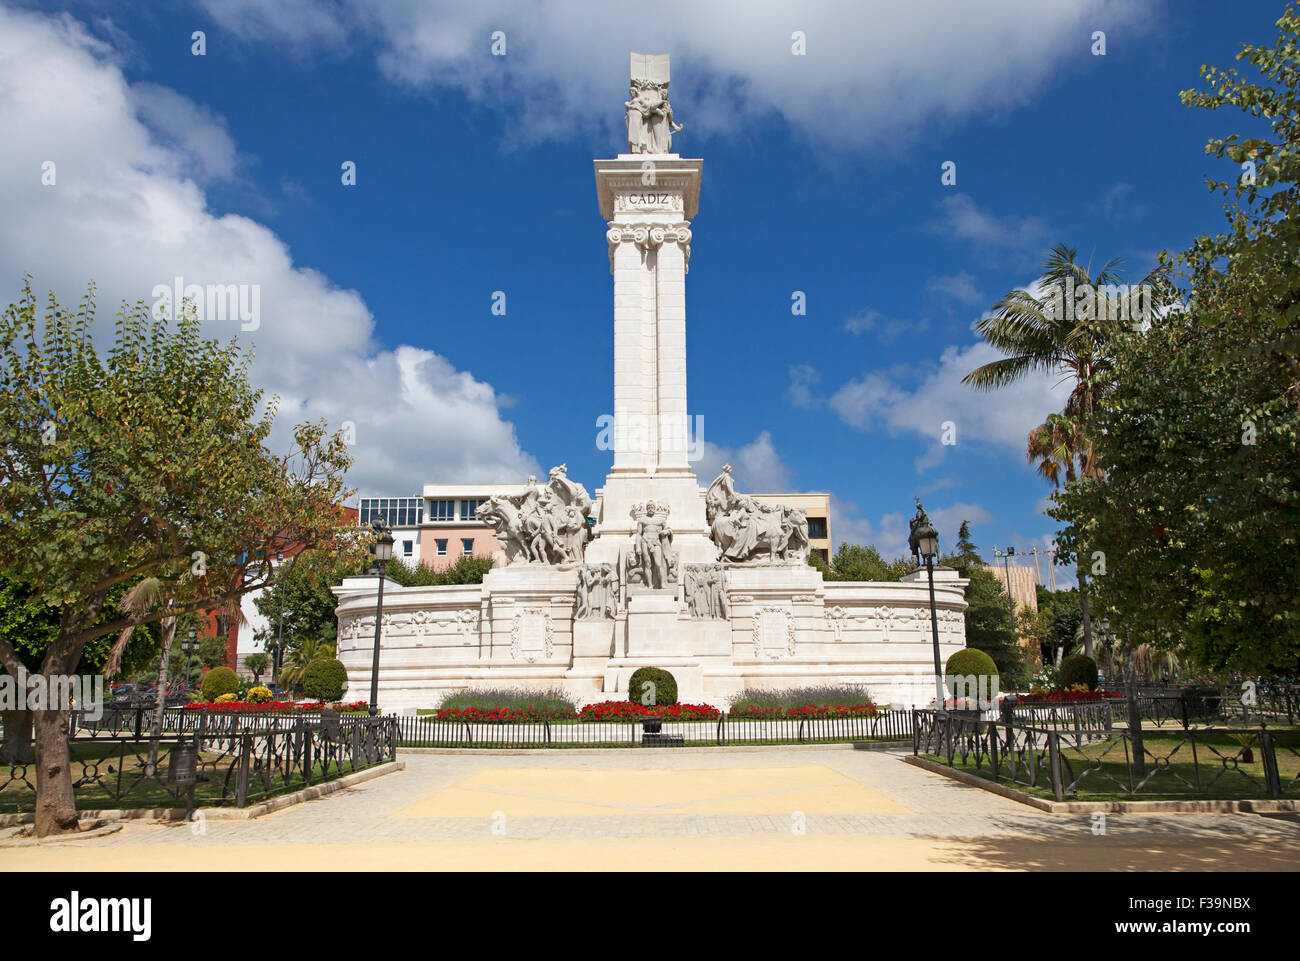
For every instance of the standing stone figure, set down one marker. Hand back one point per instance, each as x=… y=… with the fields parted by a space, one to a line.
x=650 y=123
x=650 y=559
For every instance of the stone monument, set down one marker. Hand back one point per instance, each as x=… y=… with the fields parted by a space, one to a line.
x=708 y=584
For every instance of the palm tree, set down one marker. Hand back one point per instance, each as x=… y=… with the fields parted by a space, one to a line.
x=1048 y=332
x=303 y=653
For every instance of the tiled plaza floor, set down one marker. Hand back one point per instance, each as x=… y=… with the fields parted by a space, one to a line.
x=775 y=809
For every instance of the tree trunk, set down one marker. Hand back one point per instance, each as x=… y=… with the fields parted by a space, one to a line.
x=17 y=745
x=168 y=632
x=1087 y=619
x=56 y=806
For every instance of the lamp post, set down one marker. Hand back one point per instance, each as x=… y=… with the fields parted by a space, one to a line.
x=190 y=644
x=924 y=542
x=279 y=631
x=1108 y=639
x=1006 y=565
x=383 y=553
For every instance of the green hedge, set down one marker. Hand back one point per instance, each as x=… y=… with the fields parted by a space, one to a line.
x=325 y=679
x=969 y=661
x=652 y=686
x=1078 y=669
x=218 y=681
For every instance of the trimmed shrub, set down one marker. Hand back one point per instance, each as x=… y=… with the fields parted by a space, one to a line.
x=652 y=687
x=1078 y=669
x=226 y=698
x=218 y=681
x=965 y=663
x=258 y=695
x=325 y=679
x=550 y=701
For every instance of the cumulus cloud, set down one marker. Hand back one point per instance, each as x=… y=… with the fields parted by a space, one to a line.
x=959 y=287
x=961 y=218
x=933 y=397
x=860 y=83
x=128 y=210
x=756 y=466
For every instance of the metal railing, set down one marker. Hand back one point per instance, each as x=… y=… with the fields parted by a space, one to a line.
x=1193 y=763
x=215 y=764
x=431 y=731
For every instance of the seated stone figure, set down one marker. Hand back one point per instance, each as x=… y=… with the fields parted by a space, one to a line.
x=748 y=531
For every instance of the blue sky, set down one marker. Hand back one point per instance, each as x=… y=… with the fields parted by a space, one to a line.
x=822 y=175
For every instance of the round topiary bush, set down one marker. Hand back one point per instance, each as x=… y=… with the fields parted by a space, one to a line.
x=652 y=686
x=968 y=662
x=218 y=681
x=325 y=679
x=258 y=695
x=1078 y=669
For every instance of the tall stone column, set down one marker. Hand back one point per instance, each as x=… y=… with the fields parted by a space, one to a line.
x=647 y=201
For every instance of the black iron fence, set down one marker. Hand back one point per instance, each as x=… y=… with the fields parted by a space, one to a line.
x=219 y=763
x=1200 y=763
x=1187 y=709
x=431 y=731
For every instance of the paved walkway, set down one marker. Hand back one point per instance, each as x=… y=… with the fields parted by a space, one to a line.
x=777 y=809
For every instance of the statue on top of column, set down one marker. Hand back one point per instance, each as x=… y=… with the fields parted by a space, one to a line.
x=650 y=125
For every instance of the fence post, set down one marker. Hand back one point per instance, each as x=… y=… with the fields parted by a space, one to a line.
x=241 y=779
x=1267 y=751
x=722 y=719
x=993 y=748
x=1054 y=761
x=307 y=759
x=916 y=733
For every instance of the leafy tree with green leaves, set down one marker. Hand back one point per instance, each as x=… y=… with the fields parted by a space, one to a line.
x=147 y=462
x=863 y=562
x=988 y=616
x=258 y=664
x=1196 y=503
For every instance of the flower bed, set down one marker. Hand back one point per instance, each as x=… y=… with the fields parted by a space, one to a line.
x=604 y=711
x=804 y=711
x=277 y=707
x=1069 y=697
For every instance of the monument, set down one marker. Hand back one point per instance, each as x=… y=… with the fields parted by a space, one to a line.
x=655 y=570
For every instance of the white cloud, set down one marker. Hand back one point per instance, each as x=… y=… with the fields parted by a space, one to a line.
x=756 y=466
x=127 y=213
x=936 y=396
x=861 y=82
x=959 y=286
x=960 y=218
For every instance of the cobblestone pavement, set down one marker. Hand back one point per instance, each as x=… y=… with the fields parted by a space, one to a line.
x=804 y=808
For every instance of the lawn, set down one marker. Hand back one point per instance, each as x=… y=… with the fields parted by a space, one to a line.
x=1174 y=763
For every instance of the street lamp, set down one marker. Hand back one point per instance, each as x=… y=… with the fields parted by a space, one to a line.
x=1108 y=639
x=279 y=631
x=190 y=644
x=924 y=542
x=383 y=554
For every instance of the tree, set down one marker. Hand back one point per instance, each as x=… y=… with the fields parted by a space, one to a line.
x=301 y=653
x=257 y=664
x=147 y=462
x=1197 y=507
x=1053 y=332
x=988 y=616
x=863 y=562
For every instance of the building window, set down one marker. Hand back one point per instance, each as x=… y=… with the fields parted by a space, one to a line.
x=408 y=548
x=442 y=510
x=817 y=528
x=467 y=509
x=442 y=546
x=393 y=511
x=467 y=546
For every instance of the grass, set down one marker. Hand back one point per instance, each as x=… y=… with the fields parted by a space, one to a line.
x=1219 y=780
